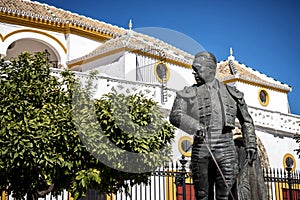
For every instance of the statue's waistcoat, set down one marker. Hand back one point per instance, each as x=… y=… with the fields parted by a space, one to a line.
x=200 y=105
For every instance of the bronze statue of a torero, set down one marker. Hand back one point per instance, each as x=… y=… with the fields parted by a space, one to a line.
x=208 y=110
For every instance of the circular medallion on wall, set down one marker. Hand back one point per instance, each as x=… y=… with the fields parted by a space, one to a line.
x=185 y=146
x=162 y=71
x=263 y=97
x=289 y=161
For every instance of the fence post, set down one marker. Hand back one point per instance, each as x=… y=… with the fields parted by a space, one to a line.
x=289 y=166
x=181 y=176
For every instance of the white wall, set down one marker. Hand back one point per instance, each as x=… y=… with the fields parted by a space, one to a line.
x=7 y=28
x=79 y=46
x=130 y=66
x=278 y=101
x=276 y=147
x=180 y=77
x=112 y=65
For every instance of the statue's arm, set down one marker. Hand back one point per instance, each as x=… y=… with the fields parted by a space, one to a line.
x=246 y=122
x=247 y=125
x=180 y=119
x=244 y=118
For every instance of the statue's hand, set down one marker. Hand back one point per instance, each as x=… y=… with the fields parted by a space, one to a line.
x=251 y=155
x=200 y=133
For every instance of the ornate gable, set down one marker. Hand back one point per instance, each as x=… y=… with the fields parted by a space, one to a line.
x=233 y=71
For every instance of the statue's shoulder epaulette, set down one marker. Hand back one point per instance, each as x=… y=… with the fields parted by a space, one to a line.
x=187 y=92
x=235 y=92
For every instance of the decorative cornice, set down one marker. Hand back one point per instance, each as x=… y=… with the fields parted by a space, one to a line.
x=32 y=21
x=87 y=32
x=43 y=16
x=55 y=26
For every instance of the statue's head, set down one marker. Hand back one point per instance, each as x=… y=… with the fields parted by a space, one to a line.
x=204 y=66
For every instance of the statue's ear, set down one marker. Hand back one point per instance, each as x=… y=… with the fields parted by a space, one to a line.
x=187 y=92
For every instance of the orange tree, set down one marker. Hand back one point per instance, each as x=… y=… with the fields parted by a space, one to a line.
x=50 y=141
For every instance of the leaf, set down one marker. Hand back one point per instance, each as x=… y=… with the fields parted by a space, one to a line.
x=15 y=155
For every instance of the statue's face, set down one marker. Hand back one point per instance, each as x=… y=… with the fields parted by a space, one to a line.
x=203 y=71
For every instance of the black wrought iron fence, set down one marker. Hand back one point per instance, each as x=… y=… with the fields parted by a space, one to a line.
x=175 y=183
x=282 y=184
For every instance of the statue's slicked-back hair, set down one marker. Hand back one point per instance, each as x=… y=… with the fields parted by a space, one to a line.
x=206 y=57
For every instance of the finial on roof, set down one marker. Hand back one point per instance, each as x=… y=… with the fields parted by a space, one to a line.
x=130 y=24
x=232 y=67
x=230 y=57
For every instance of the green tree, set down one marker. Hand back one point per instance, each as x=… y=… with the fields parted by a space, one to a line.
x=50 y=141
x=297 y=138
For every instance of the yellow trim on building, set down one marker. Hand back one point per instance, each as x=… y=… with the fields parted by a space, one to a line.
x=3 y=195
x=70 y=196
x=88 y=33
x=2 y=38
x=109 y=197
x=266 y=103
x=278 y=189
x=288 y=155
x=139 y=52
x=91 y=59
x=170 y=184
x=36 y=31
x=182 y=151
x=33 y=22
x=279 y=186
x=59 y=27
x=171 y=188
x=167 y=71
x=256 y=84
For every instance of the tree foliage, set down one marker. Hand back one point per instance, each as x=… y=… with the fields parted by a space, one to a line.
x=41 y=144
x=297 y=138
x=130 y=129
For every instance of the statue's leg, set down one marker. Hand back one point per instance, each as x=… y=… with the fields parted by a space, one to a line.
x=227 y=160
x=201 y=179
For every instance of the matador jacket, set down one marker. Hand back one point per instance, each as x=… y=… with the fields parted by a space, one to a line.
x=192 y=111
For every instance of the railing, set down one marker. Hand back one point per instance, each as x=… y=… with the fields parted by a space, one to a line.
x=175 y=183
x=282 y=185
x=280 y=123
x=106 y=84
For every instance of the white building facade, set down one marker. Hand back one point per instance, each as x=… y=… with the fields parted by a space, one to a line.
x=129 y=62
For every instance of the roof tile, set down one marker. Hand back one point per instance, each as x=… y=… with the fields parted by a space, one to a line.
x=44 y=11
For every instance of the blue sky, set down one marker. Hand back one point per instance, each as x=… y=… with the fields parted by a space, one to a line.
x=264 y=34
